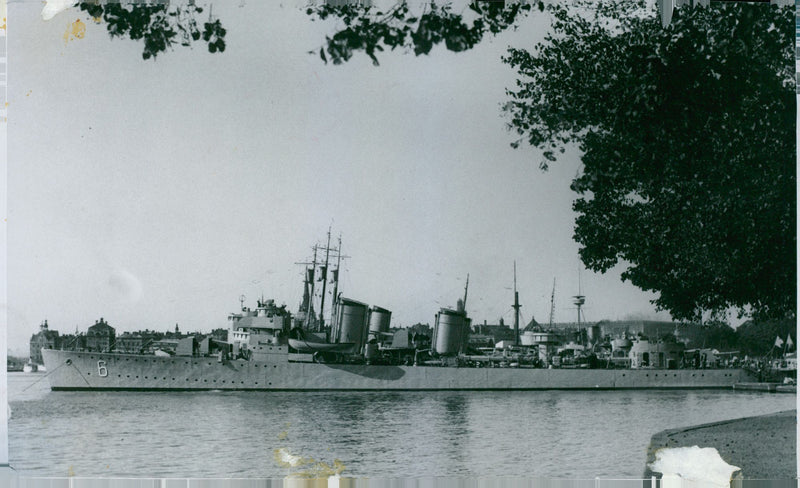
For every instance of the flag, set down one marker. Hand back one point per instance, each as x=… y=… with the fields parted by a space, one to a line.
x=778 y=342
x=789 y=342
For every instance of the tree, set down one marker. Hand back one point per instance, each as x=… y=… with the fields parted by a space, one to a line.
x=372 y=30
x=758 y=338
x=719 y=335
x=365 y=27
x=159 y=26
x=687 y=136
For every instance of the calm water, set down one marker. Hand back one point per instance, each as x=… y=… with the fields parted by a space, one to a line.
x=554 y=434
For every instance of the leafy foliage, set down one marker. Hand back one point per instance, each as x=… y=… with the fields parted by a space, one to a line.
x=160 y=26
x=687 y=134
x=758 y=338
x=370 y=30
x=719 y=335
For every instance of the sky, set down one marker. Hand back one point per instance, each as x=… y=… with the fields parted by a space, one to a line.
x=157 y=192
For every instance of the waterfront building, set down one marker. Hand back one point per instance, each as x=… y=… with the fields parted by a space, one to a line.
x=135 y=342
x=45 y=338
x=174 y=335
x=100 y=337
x=72 y=342
x=499 y=332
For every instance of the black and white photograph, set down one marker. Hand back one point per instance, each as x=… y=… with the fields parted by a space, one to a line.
x=329 y=243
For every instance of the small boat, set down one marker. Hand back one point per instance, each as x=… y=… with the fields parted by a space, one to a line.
x=303 y=345
x=30 y=368
x=14 y=366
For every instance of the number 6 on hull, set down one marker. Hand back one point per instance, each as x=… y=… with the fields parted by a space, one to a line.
x=102 y=371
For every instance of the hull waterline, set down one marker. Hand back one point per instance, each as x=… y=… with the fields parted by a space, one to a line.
x=69 y=370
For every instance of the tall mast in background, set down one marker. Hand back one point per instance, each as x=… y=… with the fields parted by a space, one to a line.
x=324 y=278
x=336 y=278
x=579 y=299
x=516 y=307
x=309 y=311
x=553 y=304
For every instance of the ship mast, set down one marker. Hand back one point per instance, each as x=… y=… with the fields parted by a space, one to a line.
x=466 y=289
x=579 y=299
x=516 y=307
x=311 y=294
x=324 y=275
x=336 y=277
x=553 y=304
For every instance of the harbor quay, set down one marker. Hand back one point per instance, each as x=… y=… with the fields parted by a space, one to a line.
x=762 y=447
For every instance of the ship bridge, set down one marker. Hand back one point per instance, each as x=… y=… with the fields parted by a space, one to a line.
x=262 y=324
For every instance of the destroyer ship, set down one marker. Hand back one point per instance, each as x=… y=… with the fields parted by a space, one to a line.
x=269 y=348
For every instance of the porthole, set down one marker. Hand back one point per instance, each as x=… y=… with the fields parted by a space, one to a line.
x=145 y=377
x=173 y=379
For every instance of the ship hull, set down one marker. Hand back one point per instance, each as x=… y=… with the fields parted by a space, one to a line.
x=70 y=370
